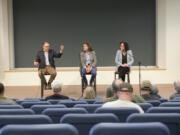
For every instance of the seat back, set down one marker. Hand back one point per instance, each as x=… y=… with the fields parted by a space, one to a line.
x=172 y=121
x=170 y=104
x=99 y=102
x=39 y=108
x=55 y=101
x=129 y=129
x=145 y=106
x=121 y=113
x=89 y=101
x=45 y=129
x=164 y=110
x=85 y=122
x=11 y=107
x=56 y=113
x=154 y=102
x=24 y=119
x=28 y=104
x=16 y=111
x=71 y=103
x=89 y=107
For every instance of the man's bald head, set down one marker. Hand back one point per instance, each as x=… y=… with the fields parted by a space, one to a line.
x=116 y=84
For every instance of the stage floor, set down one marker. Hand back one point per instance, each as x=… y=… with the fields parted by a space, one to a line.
x=73 y=91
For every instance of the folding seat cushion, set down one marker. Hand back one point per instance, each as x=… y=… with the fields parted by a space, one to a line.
x=84 y=122
x=45 y=129
x=16 y=111
x=171 y=120
x=164 y=110
x=28 y=104
x=56 y=113
x=24 y=119
x=71 y=103
x=39 y=108
x=129 y=129
x=121 y=113
x=89 y=107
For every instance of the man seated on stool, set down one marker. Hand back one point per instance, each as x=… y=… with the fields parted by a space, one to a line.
x=45 y=61
x=57 y=88
x=124 y=93
x=2 y=98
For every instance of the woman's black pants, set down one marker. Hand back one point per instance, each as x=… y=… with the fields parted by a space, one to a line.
x=122 y=72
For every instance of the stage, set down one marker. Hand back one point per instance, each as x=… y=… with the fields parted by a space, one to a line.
x=74 y=91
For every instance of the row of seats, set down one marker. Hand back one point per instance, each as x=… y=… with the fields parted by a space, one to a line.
x=85 y=122
x=99 y=129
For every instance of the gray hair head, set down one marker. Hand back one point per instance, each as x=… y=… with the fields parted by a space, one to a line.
x=116 y=84
x=109 y=92
x=177 y=85
x=56 y=86
x=154 y=89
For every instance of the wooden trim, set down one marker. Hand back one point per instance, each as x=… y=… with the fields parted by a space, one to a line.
x=75 y=69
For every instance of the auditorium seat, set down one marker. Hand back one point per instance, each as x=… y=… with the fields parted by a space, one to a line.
x=11 y=107
x=56 y=113
x=176 y=98
x=21 y=101
x=16 y=111
x=31 y=99
x=45 y=129
x=129 y=129
x=84 y=122
x=89 y=101
x=6 y=104
x=28 y=104
x=89 y=107
x=99 y=102
x=145 y=106
x=39 y=108
x=71 y=103
x=55 y=101
x=174 y=101
x=163 y=100
x=24 y=119
x=154 y=102
x=121 y=113
x=170 y=104
x=171 y=120
x=164 y=110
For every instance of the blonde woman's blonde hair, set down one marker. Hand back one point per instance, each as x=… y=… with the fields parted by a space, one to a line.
x=89 y=93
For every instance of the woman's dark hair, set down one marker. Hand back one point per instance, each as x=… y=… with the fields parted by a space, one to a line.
x=89 y=46
x=126 y=46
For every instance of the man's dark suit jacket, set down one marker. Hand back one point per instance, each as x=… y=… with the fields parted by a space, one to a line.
x=41 y=58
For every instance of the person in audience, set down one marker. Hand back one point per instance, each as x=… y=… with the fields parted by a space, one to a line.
x=89 y=93
x=88 y=63
x=177 y=88
x=2 y=98
x=136 y=98
x=155 y=91
x=146 y=89
x=124 y=60
x=124 y=93
x=109 y=91
x=57 y=89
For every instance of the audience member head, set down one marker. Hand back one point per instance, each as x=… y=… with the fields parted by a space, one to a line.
x=109 y=91
x=177 y=86
x=125 y=91
x=46 y=46
x=146 y=87
x=154 y=89
x=89 y=93
x=1 y=89
x=116 y=84
x=56 y=86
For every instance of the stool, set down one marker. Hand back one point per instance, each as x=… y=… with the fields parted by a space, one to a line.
x=117 y=73
x=42 y=88
x=83 y=84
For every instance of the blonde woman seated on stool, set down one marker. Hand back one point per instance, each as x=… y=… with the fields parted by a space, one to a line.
x=124 y=93
x=89 y=93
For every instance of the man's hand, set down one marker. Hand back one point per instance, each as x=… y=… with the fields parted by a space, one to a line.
x=61 y=48
x=36 y=63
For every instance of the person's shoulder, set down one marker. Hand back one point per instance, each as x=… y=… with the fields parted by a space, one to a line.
x=64 y=97
x=81 y=53
x=119 y=51
x=110 y=103
x=129 y=51
x=93 y=52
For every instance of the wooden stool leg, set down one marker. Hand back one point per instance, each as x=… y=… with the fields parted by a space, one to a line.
x=95 y=85
x=128 y=79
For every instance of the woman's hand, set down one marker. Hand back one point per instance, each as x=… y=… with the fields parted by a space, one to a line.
x=88 y=68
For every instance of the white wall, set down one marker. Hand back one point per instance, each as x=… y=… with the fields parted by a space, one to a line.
x=168 y=47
